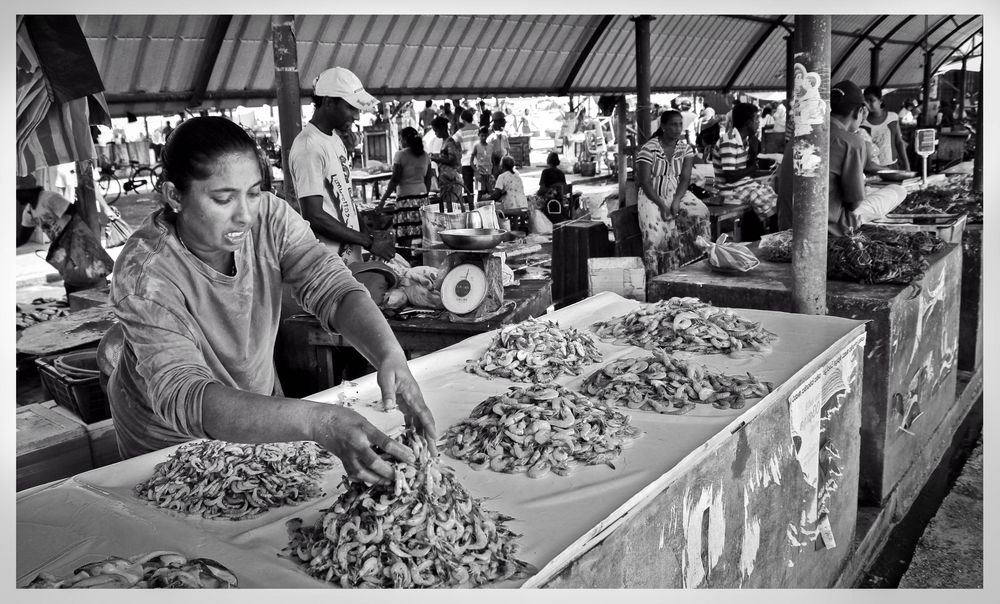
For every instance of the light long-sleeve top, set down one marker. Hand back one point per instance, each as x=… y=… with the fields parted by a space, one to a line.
x=187 y=326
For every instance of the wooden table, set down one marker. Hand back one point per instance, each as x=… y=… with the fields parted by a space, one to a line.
x=78 y=329
x=363 y=179
x=719 y=214
x=312 y=360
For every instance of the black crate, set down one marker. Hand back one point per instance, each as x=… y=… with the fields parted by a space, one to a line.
x=82 y=396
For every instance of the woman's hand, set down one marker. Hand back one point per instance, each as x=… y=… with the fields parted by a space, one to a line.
x=666 y=212
x=675 y=207
x=353 y=439
x=399 y=388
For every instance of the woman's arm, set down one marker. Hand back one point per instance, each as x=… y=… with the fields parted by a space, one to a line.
x=428 y=176
x=682 y=184
x=899 y=145
x=390 y=187
x=642 y=175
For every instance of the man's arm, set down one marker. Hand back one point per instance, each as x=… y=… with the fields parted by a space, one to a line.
x=899 y=145
x=328 y=226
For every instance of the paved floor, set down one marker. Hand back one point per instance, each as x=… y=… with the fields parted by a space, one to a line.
x=950 y=552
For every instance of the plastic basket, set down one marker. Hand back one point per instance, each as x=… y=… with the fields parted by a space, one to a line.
x=82 y=396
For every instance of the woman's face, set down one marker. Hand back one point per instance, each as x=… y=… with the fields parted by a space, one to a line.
x=674 y=127
x=873 y=103
x=218 y=212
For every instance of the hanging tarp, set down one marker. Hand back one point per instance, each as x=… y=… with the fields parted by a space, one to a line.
x=59 y=93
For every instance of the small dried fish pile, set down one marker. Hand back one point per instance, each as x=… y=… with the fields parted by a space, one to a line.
x=425 y=530
x=535 y=351
x=40 y=310
x=874 y=255
x=159 y=569
x=537 y=430
x=667 y=385
x=685 y=324
x=218 y=479
x=955 y=197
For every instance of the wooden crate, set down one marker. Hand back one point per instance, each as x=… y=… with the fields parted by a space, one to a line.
x=50 y=445
x=103 y=443
x=520 y=150
x=734 y=512
x=572 y=245
x=910 y=355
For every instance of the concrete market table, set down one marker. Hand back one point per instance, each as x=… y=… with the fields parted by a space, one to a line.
x=714 y=498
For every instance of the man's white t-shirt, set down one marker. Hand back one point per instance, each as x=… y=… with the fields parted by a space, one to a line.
x=319 y=165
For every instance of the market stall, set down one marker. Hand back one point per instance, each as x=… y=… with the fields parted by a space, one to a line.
x=910 y=359
x=712 y=498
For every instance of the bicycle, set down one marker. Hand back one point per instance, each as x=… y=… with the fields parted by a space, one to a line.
x=138 y=177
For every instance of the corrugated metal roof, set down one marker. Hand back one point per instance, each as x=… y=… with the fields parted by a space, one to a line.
x=151 y=63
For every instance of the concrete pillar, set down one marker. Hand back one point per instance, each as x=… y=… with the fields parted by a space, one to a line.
x=789 y=73
x=810 y=184
x=642 y=76
x=286 y=77
x=925 y=118
x=873 y=71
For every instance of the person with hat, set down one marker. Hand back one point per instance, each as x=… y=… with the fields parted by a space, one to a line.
x=850 y=203
x=197 y=292
x=320 y=167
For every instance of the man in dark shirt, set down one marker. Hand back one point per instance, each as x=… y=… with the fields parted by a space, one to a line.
x=850 y=204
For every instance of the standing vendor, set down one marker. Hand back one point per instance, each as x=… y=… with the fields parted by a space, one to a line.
x=197 y=291
x=321 y=169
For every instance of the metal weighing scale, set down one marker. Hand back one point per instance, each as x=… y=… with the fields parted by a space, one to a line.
x=472 y=287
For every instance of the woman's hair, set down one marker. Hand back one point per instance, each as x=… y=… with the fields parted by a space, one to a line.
x=413 y=140
x=664 y=118
x=552 y=159
x=196 y=145
x=507 y=163
x=766 y=111
x=484 y=131
x=874 y=91
x=441 y=122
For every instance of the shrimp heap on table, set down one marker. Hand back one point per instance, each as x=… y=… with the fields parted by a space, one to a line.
x=685 y=324
x=668 y=385
x=539 y=429
x=424 y=530
x=218 y=479
x=160 y=569
x=535 y=351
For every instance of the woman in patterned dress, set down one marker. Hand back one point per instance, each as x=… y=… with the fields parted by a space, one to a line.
x=670 y=217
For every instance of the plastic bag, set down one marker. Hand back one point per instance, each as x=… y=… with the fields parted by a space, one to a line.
x=538 y=222
x=728 y=256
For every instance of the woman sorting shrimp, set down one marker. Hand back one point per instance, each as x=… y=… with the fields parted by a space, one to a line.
x=197 y=292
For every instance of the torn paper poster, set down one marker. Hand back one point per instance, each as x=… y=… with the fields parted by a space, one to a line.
x=808 y=109
x=711 y=500
x=805 y=159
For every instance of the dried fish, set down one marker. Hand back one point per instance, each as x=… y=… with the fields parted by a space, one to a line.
x=539 y=429
x=664 y=384
x=218 y=479
x=535 y=351
x=879 y=255
x=685 y=324
x=160 y=569
x=424 y=530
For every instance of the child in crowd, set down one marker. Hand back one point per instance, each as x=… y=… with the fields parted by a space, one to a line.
x=483 y=163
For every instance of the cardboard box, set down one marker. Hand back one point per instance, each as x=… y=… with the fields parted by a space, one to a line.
x=625 y=276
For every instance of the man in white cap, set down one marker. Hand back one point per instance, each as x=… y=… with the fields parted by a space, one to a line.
x=321 y=169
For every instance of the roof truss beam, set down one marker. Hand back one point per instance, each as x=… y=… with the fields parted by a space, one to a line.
x=855 y=44
x=209 y=55
x=752 y=51
x=915 y=45
x=601 y=24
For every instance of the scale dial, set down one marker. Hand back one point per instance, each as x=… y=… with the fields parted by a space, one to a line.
x=463 y=288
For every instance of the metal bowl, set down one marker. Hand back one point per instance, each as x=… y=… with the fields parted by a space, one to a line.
x=472 y=239
x=895 y=175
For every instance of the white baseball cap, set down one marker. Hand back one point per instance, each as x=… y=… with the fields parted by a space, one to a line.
x=342 y=83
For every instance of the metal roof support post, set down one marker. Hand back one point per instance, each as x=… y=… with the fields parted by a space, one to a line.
x=789 y=70
x=873 y=70
x=642 y=76
x=286 y=78
x=925 y=118
x=977 y=167
x=961 y=88
x=810 y=182
x=622 y=137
